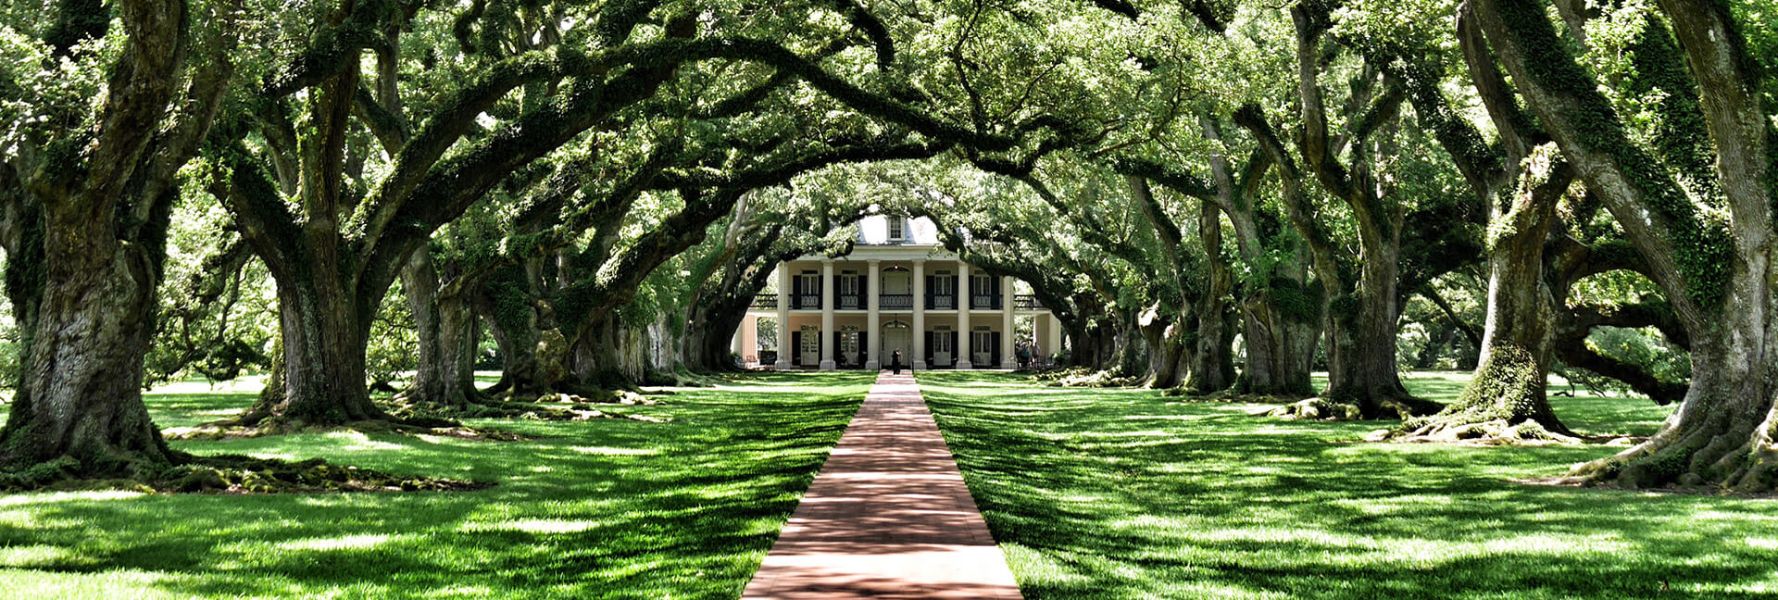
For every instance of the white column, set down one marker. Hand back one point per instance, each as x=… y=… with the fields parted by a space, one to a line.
x=1007 y=360
x=919 y=336
x=1054 y=344
x=873 y=290
x=963 y=301
x=784 y=348
x=827 y=290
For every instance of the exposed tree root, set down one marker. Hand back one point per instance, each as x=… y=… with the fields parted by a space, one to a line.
x=1084 y=377
x=1487 y=433
x=1716 y=453
x=1318 y=409
x=230 y=475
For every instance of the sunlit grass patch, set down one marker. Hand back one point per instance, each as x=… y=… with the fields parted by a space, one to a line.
x=604 y=508
x=1112 y=493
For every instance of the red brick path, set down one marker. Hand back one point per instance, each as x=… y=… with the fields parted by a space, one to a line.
x=888 y=517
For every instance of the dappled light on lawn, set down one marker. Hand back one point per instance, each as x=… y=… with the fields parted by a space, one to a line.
x=1128 y=493
x=613 y=508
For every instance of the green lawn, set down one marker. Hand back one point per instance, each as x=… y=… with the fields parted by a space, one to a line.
x=1127 y=494
x=612 y=508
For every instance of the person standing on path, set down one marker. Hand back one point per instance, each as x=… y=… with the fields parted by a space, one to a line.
x=895 y=361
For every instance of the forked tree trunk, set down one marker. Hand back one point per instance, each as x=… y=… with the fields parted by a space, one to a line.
x=1212 y=367
x=1509 y=387
x=445 y=326
x=1167 y=352
x=1280 y=336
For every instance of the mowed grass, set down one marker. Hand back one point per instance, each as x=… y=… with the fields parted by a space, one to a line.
x=599 y=509
x=1127 y=494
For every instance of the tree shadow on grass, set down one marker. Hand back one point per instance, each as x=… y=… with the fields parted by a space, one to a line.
x=1121 y=493
x=592 y=509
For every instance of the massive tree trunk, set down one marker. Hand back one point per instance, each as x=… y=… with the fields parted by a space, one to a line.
x=1212 y=367
x=324 y=338
x=1280 y=329
x=1508 y=389
x=1278 y=313
x=1168 y=350
x=709 y=338
x=445 y=325
x=86 y=235
x=79 y=407
x=1718 y=276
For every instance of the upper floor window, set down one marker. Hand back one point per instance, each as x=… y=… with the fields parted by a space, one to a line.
x=897 y=228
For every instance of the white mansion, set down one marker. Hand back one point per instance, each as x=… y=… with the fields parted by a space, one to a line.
x=899 y=289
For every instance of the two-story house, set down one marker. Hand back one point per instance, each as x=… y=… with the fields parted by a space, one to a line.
x=899 y=289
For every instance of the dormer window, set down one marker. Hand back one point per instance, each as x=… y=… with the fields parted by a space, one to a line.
x=897 y=228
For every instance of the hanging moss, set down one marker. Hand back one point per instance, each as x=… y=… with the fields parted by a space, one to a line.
x=1297 y=302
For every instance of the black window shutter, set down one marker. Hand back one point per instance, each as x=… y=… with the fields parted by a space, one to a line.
x=796 y=348
x=994 y=353
x=928 y=347
x=864 y=346
x=954 y=356
x=927 y=299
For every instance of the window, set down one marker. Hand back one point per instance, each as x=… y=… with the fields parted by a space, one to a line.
x=944 y=290
x=981 y=341
x=810 y=294
x=848 y=283
x=897 y=228
x=941 y=340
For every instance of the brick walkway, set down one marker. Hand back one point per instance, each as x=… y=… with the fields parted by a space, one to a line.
x=888 y=517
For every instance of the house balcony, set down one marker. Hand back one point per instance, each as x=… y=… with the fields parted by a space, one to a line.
x=895 y=301
x=984 y=301
x=1026 y=302
x=765 y=301
x=941 y=302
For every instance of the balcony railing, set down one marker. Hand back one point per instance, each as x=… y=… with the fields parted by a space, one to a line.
x=899 y=302
x=895 y=301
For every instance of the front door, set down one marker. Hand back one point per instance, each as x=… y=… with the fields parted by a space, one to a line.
x=981 y=347
x=896 y=336
x=811 y=349
x=941 y=347
x=849 y=346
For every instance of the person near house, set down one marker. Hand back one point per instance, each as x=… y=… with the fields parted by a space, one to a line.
x=895 y=361
x=1024 y=354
